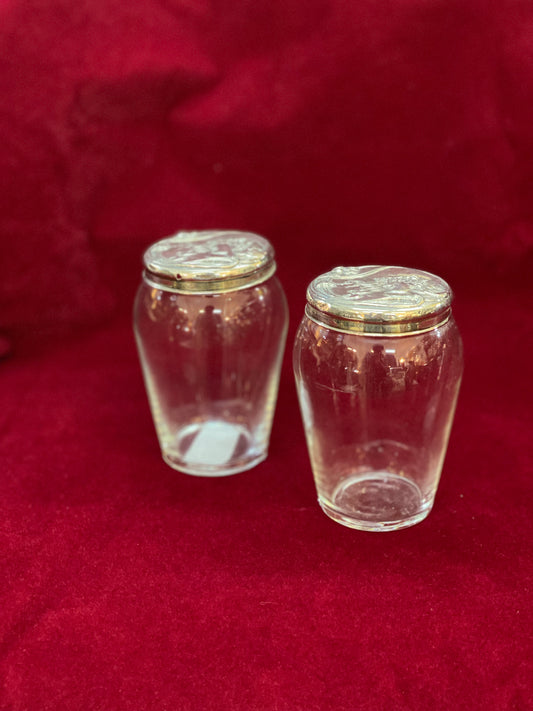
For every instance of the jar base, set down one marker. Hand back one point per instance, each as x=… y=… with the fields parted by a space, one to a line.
x=376 y=501
x=212 y=448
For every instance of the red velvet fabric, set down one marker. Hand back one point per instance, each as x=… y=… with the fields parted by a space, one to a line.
x=347 y=133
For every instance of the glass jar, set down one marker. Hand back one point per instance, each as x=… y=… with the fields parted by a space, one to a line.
x=378 y=364
x=210 y=321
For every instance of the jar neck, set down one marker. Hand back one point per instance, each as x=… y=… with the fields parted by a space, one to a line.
x=379 y=328
x=209 y=286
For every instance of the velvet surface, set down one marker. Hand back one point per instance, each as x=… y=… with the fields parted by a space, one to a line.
x=346 y=133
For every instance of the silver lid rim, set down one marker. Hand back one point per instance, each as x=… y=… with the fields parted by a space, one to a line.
x=210 y=286
x=378 y=328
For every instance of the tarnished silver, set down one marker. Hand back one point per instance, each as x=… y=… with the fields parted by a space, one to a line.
x=382 y=300
x=209 y=261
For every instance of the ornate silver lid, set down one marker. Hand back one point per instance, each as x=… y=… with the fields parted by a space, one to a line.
x=379 y=300
x=209 y=261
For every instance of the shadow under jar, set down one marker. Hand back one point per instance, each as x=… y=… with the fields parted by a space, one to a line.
x=210 y=321
x=378 y=364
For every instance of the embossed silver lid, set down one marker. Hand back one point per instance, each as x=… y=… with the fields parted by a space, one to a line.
x=209 y=261
x=379 y=300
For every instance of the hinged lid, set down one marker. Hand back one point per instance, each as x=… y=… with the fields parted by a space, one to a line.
x=209 y=261
x=379 y=300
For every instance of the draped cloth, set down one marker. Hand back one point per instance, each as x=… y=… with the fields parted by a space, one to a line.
x=347 y=133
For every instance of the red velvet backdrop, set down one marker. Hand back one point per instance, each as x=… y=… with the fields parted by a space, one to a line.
x=347 y=133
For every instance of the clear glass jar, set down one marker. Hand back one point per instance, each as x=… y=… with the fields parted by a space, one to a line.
x=210 y=321
x=378 y=364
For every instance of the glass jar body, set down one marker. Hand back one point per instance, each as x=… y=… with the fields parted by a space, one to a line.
x=211 y=365
x=377 y=413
